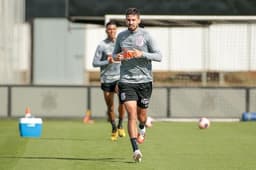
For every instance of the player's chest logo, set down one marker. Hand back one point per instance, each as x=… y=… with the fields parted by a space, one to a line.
x=139 y=41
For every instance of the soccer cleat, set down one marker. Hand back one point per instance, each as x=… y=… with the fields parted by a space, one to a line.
x=114 y=136
x=121 y=132
x=137 y=155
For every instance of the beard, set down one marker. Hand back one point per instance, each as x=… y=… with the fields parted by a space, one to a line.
x=132 y=28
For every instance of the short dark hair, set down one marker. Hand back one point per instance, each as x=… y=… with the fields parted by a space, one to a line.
x=132 y=11
x=111 y=22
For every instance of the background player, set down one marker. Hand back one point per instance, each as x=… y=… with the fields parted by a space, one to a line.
x=109 y=77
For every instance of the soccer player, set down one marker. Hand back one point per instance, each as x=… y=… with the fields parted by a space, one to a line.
x=136 y=49
x=109 y=76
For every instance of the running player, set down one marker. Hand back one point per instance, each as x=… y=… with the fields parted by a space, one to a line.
x=136 y=50
x=109 y=76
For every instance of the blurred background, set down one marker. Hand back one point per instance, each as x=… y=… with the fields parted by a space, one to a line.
x=209 y=53
x=203 y=43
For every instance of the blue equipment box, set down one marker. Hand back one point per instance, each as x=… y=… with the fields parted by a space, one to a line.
x=249 y=116
x=30 y=127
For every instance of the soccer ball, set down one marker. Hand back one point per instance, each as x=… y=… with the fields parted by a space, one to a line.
x=203 y=123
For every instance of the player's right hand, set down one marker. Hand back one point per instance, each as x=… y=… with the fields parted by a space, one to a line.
x=113 y=60
x=119 y=57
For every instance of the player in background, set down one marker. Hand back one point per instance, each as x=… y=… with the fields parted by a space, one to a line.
x=109 y=77
x=136 y=49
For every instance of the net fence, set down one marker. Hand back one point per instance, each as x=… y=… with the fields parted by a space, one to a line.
x=203 y=49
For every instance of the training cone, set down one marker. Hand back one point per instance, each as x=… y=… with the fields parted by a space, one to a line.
x=87 y=118
x=27 y=112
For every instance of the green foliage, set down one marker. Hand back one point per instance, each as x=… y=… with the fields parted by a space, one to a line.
x=72 y=145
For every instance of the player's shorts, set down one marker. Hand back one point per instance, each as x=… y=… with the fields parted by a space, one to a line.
x=109 y=87
x=140 y=92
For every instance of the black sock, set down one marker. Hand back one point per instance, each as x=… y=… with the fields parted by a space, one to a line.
x=141 y=126
x=113 y=123
x=134 y=144
x=120 y=123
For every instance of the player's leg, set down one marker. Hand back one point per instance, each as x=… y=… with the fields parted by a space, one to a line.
x=128 y=96
x=121 y=115
x=109 y=100
x=144 y=92
x=131 y=107
x=108 y=92
x=121 y=111
x=142 y=117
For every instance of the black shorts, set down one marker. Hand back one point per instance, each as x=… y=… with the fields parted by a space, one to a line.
x=109 y=87
x=140 y=92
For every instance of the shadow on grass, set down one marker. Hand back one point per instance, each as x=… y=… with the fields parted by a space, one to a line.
x=67 y=158
x=67 y=139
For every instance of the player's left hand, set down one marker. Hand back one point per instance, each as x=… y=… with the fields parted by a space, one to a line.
x=137 y=53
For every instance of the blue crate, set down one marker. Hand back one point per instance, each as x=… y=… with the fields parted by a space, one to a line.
x=30 y=127
x=249 y=116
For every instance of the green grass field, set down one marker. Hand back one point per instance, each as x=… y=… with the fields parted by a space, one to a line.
x=72 y=145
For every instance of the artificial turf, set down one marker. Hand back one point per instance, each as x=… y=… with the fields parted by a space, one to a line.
x=73 y=145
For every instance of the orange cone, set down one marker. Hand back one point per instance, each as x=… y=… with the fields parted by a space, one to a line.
x=87 y=118
x=27 y=112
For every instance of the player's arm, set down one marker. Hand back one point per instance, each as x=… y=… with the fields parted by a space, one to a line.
x=154 y=53
x=117 y=52
x=97 y=60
